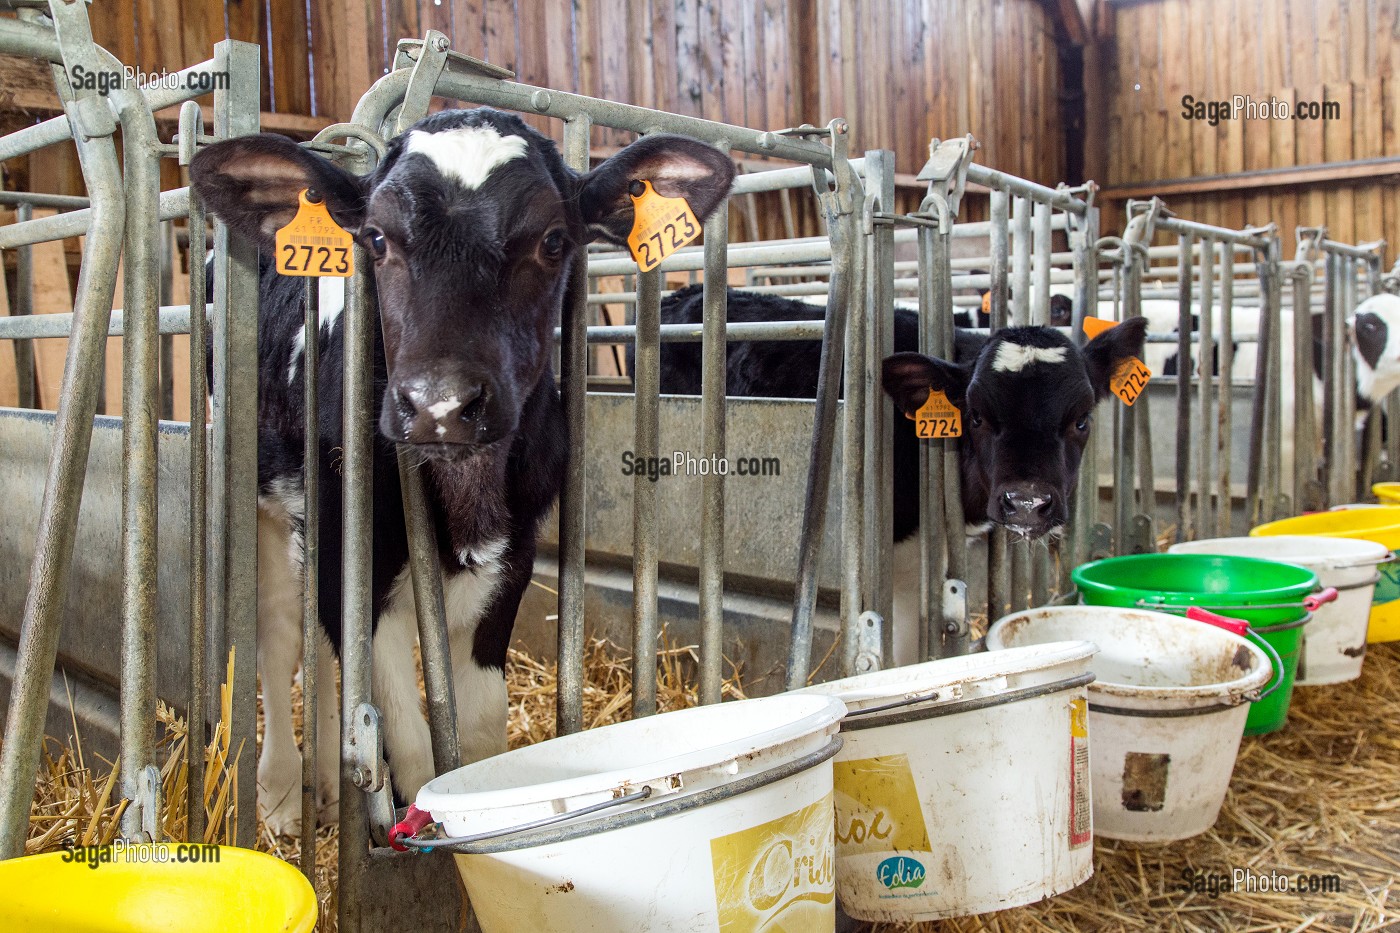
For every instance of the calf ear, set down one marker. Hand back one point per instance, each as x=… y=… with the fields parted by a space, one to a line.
x=676 y=166
x=907 y=377
x=251 y=184
x=1103 y=354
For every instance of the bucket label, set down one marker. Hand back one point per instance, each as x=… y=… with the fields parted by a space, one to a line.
x=1388 y=586
x=1081 y=828
x=877 y=807
x=780 y=876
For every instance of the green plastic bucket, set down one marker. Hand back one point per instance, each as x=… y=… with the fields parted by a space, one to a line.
x=1267 y=594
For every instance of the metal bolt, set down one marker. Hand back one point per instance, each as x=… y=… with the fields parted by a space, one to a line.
x=440 y=43
x=540 y=100
x=360 y=777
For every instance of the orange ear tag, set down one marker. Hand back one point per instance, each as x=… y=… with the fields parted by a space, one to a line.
x=1130 y=376
x=314 y=244
x=660 y=226
x=937 y=417
x=1129 y=379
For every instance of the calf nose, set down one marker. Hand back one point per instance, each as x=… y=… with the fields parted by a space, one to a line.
x=1025 y=506
x=441 y=413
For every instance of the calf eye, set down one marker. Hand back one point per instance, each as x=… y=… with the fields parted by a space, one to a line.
x=975 y=418
x=376 y=243
x=1082 y=424
x=553 y=245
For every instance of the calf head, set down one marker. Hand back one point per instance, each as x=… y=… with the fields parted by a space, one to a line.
x=472 y=221
x=1026 y=401
x=1375 y=330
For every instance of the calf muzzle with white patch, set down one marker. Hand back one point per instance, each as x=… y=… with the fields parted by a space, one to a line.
x=1026 y=401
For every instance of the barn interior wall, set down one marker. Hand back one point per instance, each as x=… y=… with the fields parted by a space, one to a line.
x=902 y=71
x=1153 y=53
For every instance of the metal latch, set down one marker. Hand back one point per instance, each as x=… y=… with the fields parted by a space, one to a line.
x=946 y=168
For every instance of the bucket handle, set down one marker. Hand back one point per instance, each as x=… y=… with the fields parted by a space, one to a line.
x=1241 y=627
x=537 y=833
x=946 y=692
x=1311 y=602
x=415 y=820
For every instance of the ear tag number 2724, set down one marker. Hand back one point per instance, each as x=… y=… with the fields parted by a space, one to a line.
x=937 y=417
x=1130 y=376
x=314 y=244
x=660 y=225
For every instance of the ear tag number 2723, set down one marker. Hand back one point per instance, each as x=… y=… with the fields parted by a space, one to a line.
x=660 y=225
x=937 y=417
x=314 y=244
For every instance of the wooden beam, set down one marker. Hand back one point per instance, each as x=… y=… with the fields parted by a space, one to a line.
x=1070 y=18
x=1324 y=173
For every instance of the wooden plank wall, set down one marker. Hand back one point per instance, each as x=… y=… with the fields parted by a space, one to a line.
x=902 y=71
x=1295 y=50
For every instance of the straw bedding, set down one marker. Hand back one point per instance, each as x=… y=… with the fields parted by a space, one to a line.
x=1320 y=798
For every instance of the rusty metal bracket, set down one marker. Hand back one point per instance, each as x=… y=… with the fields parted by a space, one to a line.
x=869 y=654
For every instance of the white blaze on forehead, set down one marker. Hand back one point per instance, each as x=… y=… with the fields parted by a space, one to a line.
x=1014 y=357
x=467 y=154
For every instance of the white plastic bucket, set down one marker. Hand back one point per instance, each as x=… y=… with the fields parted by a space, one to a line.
x=1334 y=643
x=963 y=785
x=737 y=831
x=1166 y=710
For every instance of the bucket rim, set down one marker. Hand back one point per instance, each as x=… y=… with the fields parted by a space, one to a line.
x=1232 y=692
x=810 y=716
x=1236 y=599
x=1364 y=552
x=892 y=684
x=1375 y=519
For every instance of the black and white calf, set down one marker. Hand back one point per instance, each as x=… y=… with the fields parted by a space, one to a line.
x=473 y=221
x=1026 y=394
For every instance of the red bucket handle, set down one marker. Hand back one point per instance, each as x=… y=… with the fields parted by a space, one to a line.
x=1320 y=598
x=411 y=825
x=1241 y=628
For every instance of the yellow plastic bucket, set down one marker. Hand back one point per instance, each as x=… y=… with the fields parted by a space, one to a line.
x=154 y=888
x=1380 y=524
x=1387 y=493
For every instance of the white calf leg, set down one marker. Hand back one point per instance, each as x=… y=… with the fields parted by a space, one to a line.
x=279 y=651
x=406 y=735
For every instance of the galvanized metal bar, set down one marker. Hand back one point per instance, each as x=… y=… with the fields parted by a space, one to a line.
x=1124 y=417
x=1224 y=433
x=573 y=373
x=1348 y=361
x=880 y=424
x=1305 y=439
x=1058 y=198
x=358 y=321
x=167 y=346
x=1256 y=238
x=1020 y=262
x=311 y=571
x=1183 y=390
x=63 y=489
x=1205 y=382
x=999 y=239
x=713 y=383
x=767 y=331
x=236 y=114
x=933 y=536
x=838 y=208
x=1083 y=243
x=854 y=454
x=22 y=308
x=646 y=540
x=33 y=199
x=425 y=570
x=1040 y=265
x=172 y=320
x=197 y=704
x=1338 y=433
x=173 y=205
